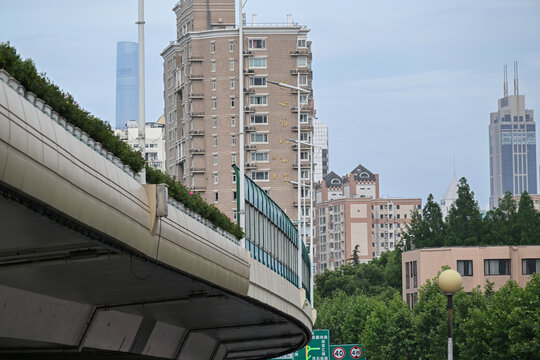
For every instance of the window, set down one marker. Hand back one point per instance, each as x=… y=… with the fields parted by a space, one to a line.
x=304 y=118
x=301 y=43
x=233 y=120
x=233 y=139
x=304 y=155
x=407 y=278
x=464 y=267
x=233 y=103
x=215 y=140
x=214 y=84
x=214 y=103
x=231 y=83
x=257 y=81
x=212 y=47
x=497 y=267
x=259 y=156
x=259 y=119
x=216 y=196
x=259 y=175
x=213 y=65
x=259 y=137
x=530 y=266
x=231 y=64
x=305 y=174
x=257 y=43
x=234 y=195
x=257 y=100
x=257 y=62
x=234 y=178
x=215 y=159
x=302 y=61
x=304 y=136
x=214 y=121
x=233 y=158
x=216 y=179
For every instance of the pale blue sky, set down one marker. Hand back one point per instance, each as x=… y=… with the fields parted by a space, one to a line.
x=402 y=85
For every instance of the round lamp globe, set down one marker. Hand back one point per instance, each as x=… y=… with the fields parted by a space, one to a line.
x=450 y=281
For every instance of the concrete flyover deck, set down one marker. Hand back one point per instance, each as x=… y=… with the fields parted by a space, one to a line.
x=88 y=272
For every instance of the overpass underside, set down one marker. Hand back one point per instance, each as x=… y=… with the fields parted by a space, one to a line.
x=87 y=271
x=67 y=290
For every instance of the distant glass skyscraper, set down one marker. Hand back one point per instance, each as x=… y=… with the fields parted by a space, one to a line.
x=127 y=78
x=320 y=140
x=512 y=146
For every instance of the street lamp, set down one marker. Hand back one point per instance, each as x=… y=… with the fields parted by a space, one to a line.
x=450 y=283
x=299 y=108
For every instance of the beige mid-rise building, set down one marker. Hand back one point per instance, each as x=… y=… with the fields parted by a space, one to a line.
x=202 y=94
x=476 y=264
x=349 y=212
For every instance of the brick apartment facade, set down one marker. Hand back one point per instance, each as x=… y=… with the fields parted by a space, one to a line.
x=350 y=212
x=202 y=91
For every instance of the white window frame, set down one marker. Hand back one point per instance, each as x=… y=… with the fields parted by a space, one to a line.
x=252 y=81
x=262 y=41
x=259 y=156
x=231 y=45
x=213 y=65
x=264 y=173
x=262 y=100
x=212 y=47
x=232 y=82
x=263 y=117
x=231 y=64
x=302 y=61
x=258 y=62
x=214 y=84
x=301 y=43
x=253 y=138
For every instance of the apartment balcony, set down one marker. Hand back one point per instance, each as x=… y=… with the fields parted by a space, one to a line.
x=196 y=77
x=302 y=71
x=301 y=52
x=195 y=59
x=196 y=114
x=196 y=132
x=196 y=151
x=196 y=170
x=250 y=147
x=304 y=166
x=251 y=166
x=305 y=109
x=303 y=127
x=249 y=128
x=196 y=96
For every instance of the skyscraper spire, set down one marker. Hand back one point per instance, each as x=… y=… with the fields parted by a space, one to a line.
x=505 y=85
x=516 y=80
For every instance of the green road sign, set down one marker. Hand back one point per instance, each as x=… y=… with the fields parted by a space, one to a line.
x=347 y=352
x=317 y=349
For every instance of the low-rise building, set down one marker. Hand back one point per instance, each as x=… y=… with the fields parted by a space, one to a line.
x=476 y=264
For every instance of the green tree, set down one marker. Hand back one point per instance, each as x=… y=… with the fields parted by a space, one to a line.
x=465 y=223
x=527 y=222
x=500 y=222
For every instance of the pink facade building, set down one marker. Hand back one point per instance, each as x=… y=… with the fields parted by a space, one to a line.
x=477 y=265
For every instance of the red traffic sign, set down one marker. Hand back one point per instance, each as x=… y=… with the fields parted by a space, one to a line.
x=339 y=353
x=356 y=352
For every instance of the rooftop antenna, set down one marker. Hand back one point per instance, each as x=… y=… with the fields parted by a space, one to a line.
x=516 y=80
x=505 y=68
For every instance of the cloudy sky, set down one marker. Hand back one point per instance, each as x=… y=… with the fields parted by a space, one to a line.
x=404 y=86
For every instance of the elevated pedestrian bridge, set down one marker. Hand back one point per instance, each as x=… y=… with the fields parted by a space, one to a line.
x=87 y=269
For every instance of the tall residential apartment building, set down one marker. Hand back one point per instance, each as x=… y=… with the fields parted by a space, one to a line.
x=320 y=150
x=512 y=146
x=203 y=87
x=127 y=79
x=349 y=212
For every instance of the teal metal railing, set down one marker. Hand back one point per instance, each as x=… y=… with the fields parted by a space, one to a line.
x=271 y=236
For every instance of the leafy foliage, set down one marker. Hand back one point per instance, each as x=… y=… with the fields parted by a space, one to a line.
x=509 y=224
x=65 y=105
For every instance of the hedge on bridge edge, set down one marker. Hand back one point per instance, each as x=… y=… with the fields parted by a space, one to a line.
x=65 y=105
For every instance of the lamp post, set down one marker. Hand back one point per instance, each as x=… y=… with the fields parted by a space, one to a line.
x=299 y=215
x=450 y=283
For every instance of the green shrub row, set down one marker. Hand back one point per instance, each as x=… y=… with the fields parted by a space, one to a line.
x=65 y=105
